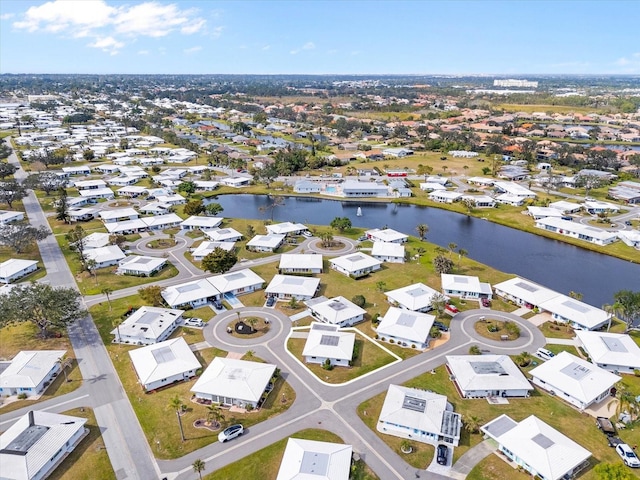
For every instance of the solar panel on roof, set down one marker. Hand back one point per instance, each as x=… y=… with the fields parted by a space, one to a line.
x=576 y=371
x=415 y=404
x=337 y=306
x=314 y=463
x=355 y=258
x=459 y=279
x=450 y=426
x=573 y=305
x=148 y=318
x=163 y=355
x=293 y=281
x=501 y=426
x=235 y=276
x=486 y=368
x=406 y=320
x=329 y=340
x=416 y=292
x=614 y=345
x=527 y=286
x=188 y=288
x=542 y=440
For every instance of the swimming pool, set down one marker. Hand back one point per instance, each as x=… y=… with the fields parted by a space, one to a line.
x=331 y=189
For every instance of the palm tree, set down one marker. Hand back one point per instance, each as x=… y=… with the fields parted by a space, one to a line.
x=252 y=322
x=452 y=246
x=176 y=404
x=250 y=354
x=472 y=423
x=275 y=202
x=107 y=291
x=214 y=415
x=422 y=230
x=523 y=359
x=64 y=363
x=198 y=467
x=116 y=323
x=461 y=253
x=611 y=311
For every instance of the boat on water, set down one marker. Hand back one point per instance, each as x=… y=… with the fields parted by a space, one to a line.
x=359 y=212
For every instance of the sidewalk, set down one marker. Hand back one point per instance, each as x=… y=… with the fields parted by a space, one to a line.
x=561 y=341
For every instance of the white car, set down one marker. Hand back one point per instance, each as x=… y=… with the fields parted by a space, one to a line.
x=307 y=234
x=230 y=433
x=193 y=322
x=628 y=455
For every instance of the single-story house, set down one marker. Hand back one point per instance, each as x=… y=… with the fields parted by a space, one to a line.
x=354 y=188
x=129 y=226
x=196 y=222
x=237 y=283
x=206 y=185
x=574 y=380
x=487 y=376
x=206 y=247
x=512 y=188
x=388 y=235
x=235 y=182
x=630 y=237
x=615 y=352
x=160 y=222
x=306 y=186
x=141 y=265
x=416 y=297
x=122 y=181
x=480 y=201
x=223 y=235
x=313 y=459
x=7 y=216
x=155 y=208
x=336 y=311
x=95 y=193
x=105 y=256
x=300 y=263
x=15 y=268
x=327 y=342
x=482 y=181
x=147 y=325
x=444 y=196
x=566 y=207
x=131 y=191
x=406 y=328
x=388 y=252
x=195 y=294
x=118 y=215
x=90 y=185
x=286 y=228
x=164 y=363
x=510 y=199
x=595 y=207
x=172 y=199
x=543 y=212
x=524 y=292
x=432 y=187
x=464 y=286
x=538 y=448
x=30 y=372
x=577 y=230
x=35 y=445
x=397 y=152
x=265 y=243
x=82 y=214
x=419 y=415
x=291 y=286
x=96 y=240
x=77 y=170
x=228 y=382
x=579 y=315
x=355 y=265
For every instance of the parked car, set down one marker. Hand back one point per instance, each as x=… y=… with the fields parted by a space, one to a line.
x=628 y=455
x=604 y=424
x=194 y=322
x=628 y=223
x=442 y=456
x=307 y=234
x=485 y=302
x=441 y=326
x=362 y=238
x=451 y=308
x=271 y=301
x=217 y=304
x=545 y=354
x=614 y=441
x=230 y=433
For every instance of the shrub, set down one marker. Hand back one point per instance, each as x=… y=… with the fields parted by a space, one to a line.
x=391 y=340
x=474 y=350
x=636 y=372
x=22 y=396
x=327 y=365
x=359 y=300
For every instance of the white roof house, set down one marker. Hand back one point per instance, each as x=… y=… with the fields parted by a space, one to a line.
x=416 y=297
x=159 y=222
x=388 y=235
x=128 y=226
x=228 y=381
x=147 y=325
x=194 y=293
x=444 y=196
x=420 y=415
x=292 y=286
x=566 y=207
x=336 y=311
x=574 y=380
x=36 y=444
x=206 y=247
x=515 y=189
x=487 y=376
x=328 y=342
x=310 y=459
x=164 y=363
x=266 y=243
x=28 y=372
x=15 y=268
x=196 y=222
x=388 y=252
x=105 y=256
x=300 y=263
x=223 y=235
x=237 y=282
x=464 y=286
x=588 y=233
x=155 y=208
x=141 y=265
x=537 y=447
x=524 y=292
x=286 y=228
x=90 y=184
x=405 y=327
x=543 y=212
x=131 y=191
x=7 y=216
x=355 y=264
x=615 y=352
x=96 y=240
x=578 y=314
x=118 y=215
x=354 y=188
x=172 y=199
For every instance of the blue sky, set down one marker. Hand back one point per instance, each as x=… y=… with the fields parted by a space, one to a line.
x=320 y=37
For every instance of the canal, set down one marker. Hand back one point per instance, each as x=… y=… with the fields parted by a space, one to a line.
x=557 y=265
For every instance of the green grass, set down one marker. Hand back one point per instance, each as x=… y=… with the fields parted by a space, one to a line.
x=89 y=457
x=371 y=358
x=556 y=330
x=264 y=464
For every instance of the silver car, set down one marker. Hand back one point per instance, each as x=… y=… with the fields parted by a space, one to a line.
x=230 y=433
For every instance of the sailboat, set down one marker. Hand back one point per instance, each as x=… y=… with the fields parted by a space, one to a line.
x=359 y=212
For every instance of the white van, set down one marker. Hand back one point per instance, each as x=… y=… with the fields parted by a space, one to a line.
x=545 y=354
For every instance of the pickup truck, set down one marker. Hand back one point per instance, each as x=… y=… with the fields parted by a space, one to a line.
x=604 y=424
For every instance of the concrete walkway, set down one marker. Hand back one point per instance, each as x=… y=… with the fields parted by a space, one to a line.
x=300 y=315
x=199 y=346
x=471 y=458
x=561 y=341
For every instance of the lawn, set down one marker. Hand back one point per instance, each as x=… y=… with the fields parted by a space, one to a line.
x=264 y=464
x=557 y=330
x=158 y=421
x=30 y=253
x=89 y=457
x=370 y=358
x=559 y=415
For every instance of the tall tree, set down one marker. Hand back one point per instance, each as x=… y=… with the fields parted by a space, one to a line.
x=341 y=224
x=106 y=291
x=627 y=306
x=7 y=169
x=442 y=264
x=198 y=467
x=187 y=187
x=12 y=191
x=48 y=308
x=422 y=230
x=274 y=201
x=176 y=404
x=45 y=181
x=20 y=236
x=194 y=207
x=461 y=253
x=213 y=209
x=75 y=237
x=152 y=295
x=62 y=205
x=219 y=260
x=438 y=302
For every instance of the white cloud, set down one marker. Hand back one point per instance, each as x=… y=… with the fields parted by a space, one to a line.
x=143 y=52
x=266 y=47
x=306 y=46
x=192 y=50
x=217 y=32
x=107 y=44
x=628 y=64
x=103 y=22
x=6 y=16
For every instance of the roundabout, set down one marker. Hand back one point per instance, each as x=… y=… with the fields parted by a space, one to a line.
x=217 y=330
